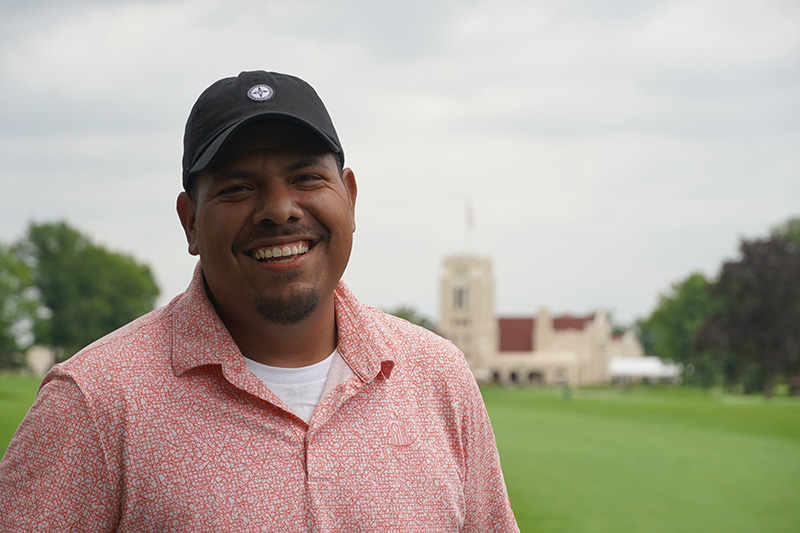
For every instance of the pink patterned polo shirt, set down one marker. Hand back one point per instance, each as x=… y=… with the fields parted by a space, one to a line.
x=160 y=427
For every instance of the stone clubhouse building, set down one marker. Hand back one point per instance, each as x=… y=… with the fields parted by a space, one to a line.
x=541 y=349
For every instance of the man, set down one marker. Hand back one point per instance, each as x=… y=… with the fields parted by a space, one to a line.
x=266 y=397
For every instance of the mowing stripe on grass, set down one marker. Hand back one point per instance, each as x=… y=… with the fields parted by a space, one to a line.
x=651 y=460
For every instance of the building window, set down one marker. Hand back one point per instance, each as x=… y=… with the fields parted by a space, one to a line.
x=461 y=298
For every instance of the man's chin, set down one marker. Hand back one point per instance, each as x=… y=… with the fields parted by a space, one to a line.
x=288 y=308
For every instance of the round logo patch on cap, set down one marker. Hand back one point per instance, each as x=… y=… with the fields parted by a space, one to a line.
x=260 y=92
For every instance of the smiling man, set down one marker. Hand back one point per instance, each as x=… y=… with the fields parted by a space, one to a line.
x=272 y=219
x=265 y=397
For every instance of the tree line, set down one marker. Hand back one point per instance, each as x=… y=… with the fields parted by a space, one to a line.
x=61 y=290
x=741 y=329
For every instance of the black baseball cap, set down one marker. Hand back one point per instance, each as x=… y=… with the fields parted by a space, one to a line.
x=230 y=103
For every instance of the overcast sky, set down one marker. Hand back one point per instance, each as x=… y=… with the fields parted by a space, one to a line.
x=608 y=148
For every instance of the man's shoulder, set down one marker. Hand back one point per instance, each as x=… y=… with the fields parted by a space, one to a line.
x=401 y=328
x=138 y=344
x=360 y=315
x=425 y=363
x=388 y=328
x=411 y=342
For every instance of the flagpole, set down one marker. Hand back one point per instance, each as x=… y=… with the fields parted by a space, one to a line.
x=470 y=219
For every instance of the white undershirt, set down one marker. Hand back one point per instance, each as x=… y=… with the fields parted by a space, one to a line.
x=300 y=388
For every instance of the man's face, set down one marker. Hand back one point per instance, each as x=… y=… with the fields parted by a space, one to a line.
x=273 y=223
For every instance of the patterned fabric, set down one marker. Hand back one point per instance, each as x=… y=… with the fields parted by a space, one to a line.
x=160 y=427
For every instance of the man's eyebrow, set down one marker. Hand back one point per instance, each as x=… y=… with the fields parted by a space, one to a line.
x=233 y=173
x=304 y=163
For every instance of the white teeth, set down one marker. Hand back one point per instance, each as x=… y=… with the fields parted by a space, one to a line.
x=284 y=251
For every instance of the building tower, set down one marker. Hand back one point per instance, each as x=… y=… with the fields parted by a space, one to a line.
x=467 y=309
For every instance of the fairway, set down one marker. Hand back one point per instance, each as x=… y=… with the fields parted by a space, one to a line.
x=607 y=460
x=648 y=460
x=16 y=396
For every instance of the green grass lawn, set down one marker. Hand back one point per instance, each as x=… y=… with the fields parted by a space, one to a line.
x=16 y=396
x=605 y=460
x=648 y=460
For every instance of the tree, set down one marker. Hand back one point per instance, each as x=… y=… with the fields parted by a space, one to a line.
x=670 y=330
x=757 y=321
x=18 y=305
x=789 y=230
x=617 y=328
x=86 y=290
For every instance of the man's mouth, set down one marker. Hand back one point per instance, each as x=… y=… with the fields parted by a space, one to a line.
x=280 y=253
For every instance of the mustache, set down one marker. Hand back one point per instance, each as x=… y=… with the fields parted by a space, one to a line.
x=271 y=232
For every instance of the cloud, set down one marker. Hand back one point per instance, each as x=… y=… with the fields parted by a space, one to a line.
x=608 y=148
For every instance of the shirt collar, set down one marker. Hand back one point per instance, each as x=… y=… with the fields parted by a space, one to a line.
x=362 y=340
x=199 y=335
x=201 y=338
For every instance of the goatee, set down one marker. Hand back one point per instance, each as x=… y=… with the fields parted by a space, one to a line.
x=288 y=309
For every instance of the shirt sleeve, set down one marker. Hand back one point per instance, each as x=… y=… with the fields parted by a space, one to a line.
x=487 y=505
x=53 y=476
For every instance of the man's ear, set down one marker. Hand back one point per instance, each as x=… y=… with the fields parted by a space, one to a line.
x=188 y=216
x=349 y=180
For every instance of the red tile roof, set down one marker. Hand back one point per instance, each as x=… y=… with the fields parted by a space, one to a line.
x=516 y=334
x=571 y=322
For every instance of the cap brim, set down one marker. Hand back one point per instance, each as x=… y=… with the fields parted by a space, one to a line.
x=212 y=150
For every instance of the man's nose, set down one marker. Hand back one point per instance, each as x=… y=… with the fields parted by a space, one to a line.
x=277 y=204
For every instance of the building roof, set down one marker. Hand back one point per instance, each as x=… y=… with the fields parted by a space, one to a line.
x=516 y=334
x=571 y=322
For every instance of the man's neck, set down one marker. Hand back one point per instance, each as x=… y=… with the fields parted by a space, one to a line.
x=304 y=343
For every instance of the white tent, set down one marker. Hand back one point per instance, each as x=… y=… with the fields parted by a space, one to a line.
x=647 y=367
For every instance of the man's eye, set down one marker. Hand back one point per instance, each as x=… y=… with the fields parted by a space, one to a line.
x=233 y=189
x=308 y=179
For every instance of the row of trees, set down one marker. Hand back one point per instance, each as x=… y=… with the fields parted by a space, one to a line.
x=61 y=290
x=740 y=330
